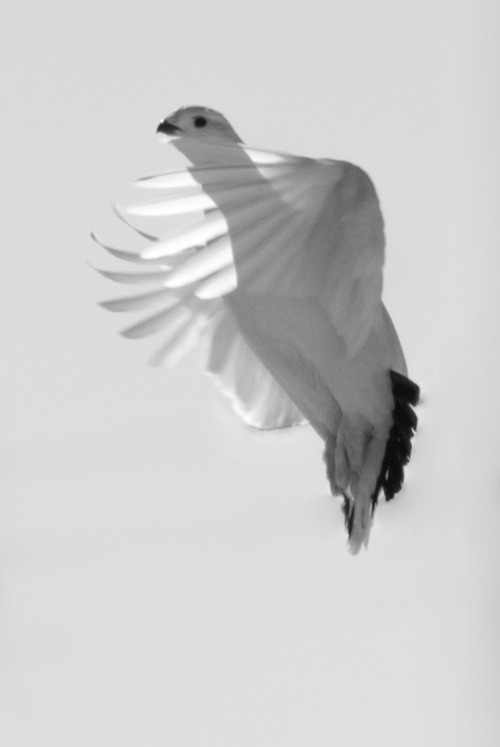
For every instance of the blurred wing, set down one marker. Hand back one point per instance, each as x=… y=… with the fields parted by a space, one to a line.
x=182 y=319
x=264 y=223
x=277 y=225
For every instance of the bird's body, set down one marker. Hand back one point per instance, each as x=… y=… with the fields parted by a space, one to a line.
x=283 y=275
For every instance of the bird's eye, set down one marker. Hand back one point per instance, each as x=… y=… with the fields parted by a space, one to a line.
x=200 y=122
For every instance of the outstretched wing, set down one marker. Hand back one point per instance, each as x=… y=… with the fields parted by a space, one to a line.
x=277 y=225
x=268 y=224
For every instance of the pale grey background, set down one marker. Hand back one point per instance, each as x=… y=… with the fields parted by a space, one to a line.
x=167 y=576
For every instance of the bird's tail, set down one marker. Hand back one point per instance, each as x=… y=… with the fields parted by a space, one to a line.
x=359 y=474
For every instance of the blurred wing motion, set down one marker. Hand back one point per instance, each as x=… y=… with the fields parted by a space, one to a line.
x=279 y=267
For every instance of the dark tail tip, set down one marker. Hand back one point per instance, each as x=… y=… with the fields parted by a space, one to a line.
x=398 y=449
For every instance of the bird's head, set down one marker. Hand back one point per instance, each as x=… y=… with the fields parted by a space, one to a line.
x=200 y=123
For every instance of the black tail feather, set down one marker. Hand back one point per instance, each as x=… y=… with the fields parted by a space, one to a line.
x=404 y=389
x=398 y=449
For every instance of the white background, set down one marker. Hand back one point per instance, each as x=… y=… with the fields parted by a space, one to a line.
x=169 y=577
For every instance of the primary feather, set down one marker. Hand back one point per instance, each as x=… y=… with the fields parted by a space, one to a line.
x=282 y=274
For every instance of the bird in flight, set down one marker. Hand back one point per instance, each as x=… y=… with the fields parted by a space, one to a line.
x=277 y=266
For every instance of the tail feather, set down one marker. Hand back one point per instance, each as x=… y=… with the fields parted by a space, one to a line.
x=398 y=448
x=382 y=463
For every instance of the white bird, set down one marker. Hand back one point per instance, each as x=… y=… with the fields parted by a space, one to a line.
x=281 y=272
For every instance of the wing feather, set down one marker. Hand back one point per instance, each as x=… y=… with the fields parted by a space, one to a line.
x=198 y=234
x=179 y=338
x=187 y=202
x=218 y=284
x=215 y=257
x=137 y=303
x=133 y=278
x=165 y=319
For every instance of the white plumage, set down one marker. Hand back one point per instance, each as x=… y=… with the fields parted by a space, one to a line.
x=282 y=273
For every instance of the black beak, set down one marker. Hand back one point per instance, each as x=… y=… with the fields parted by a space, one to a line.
x=168 y=128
